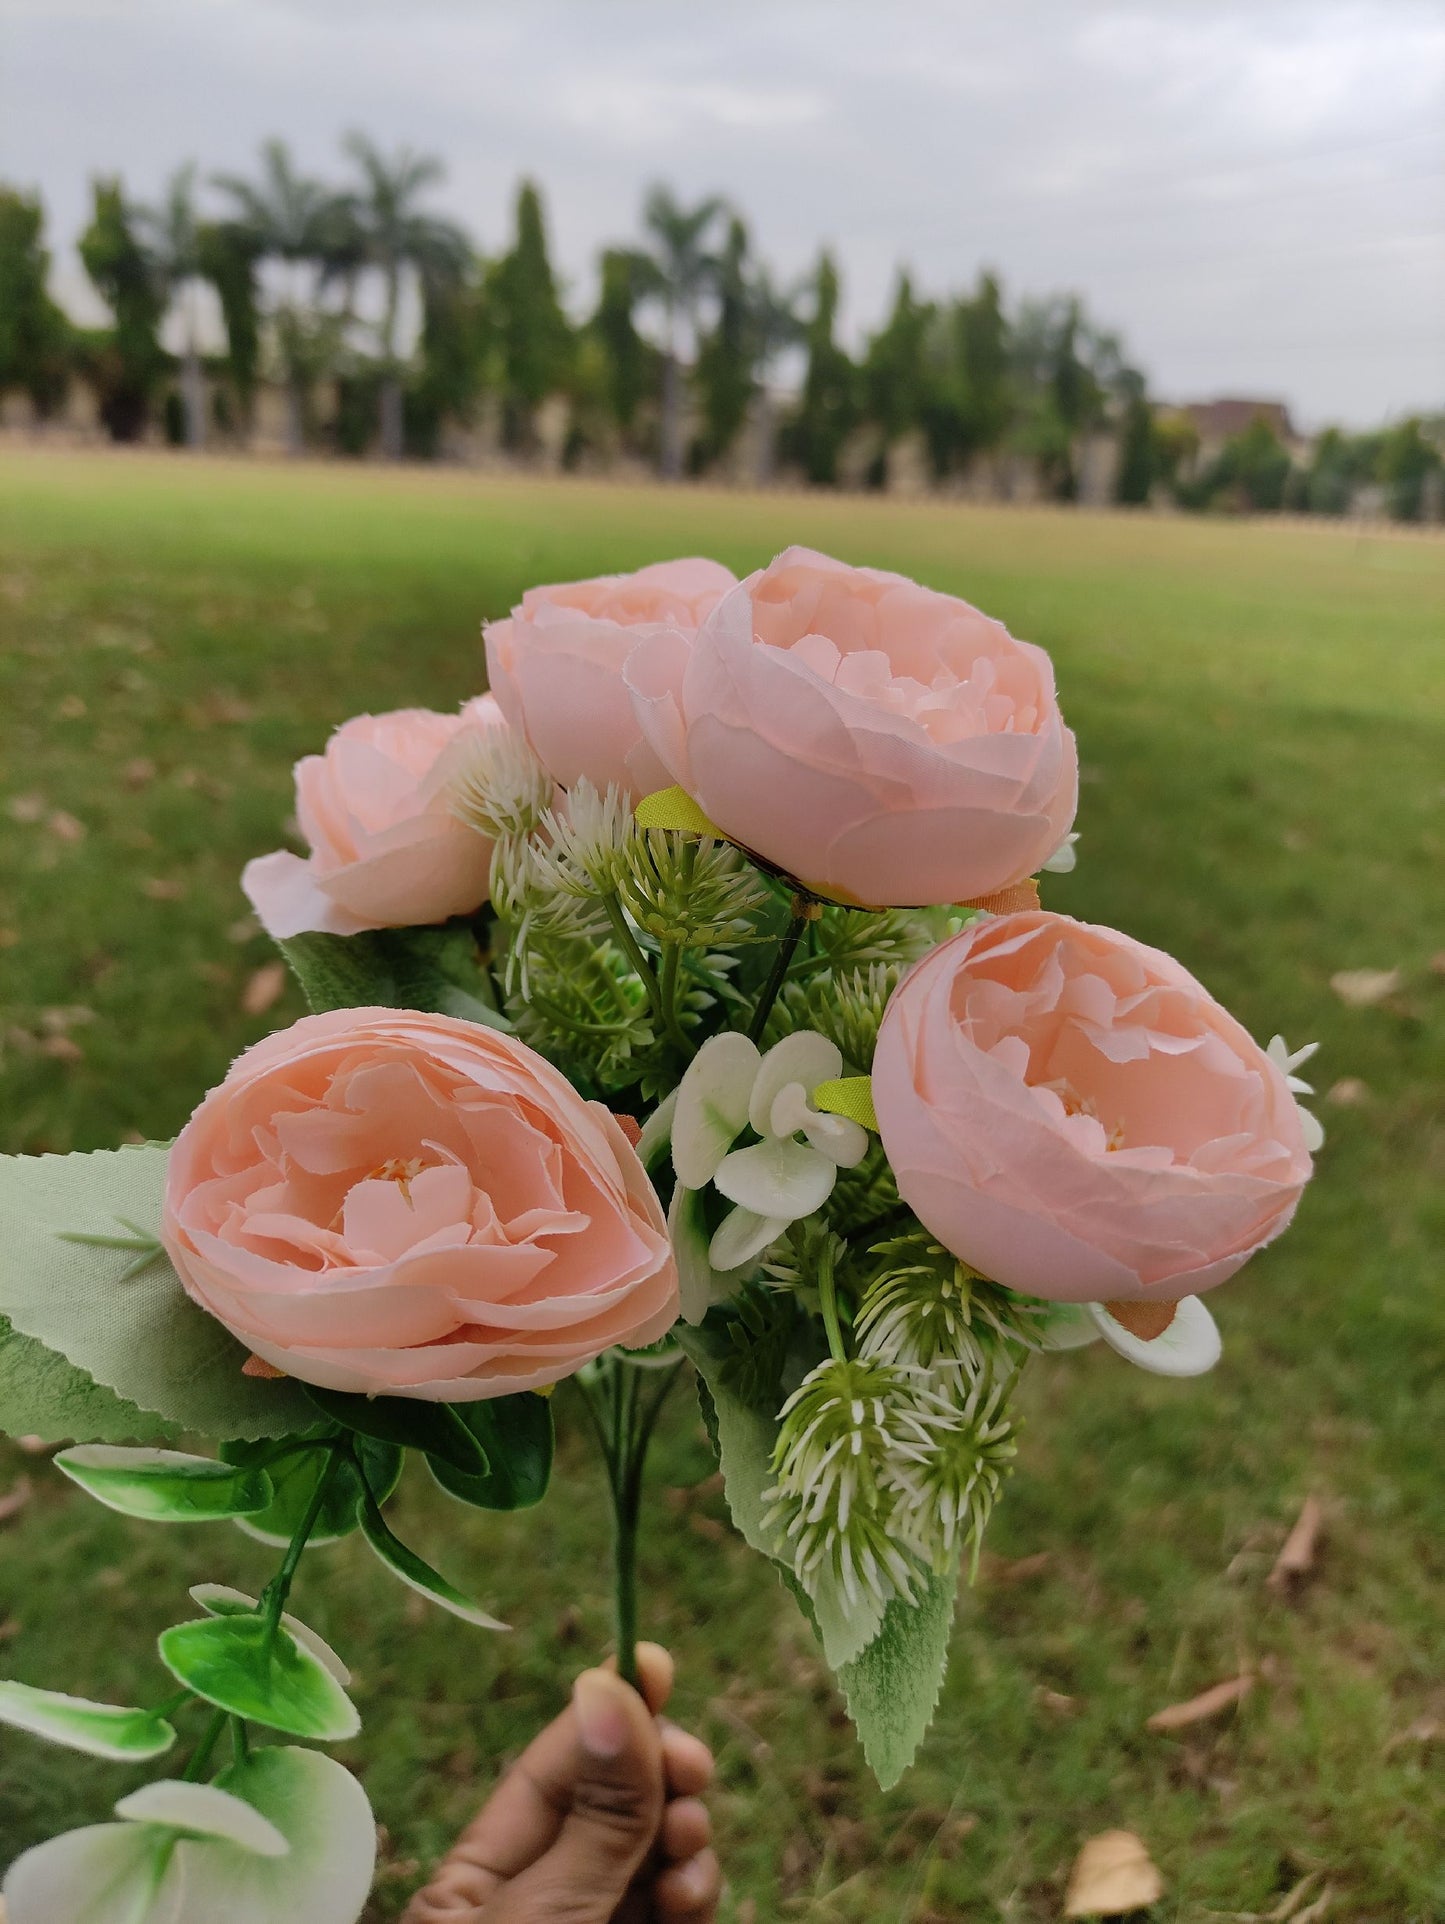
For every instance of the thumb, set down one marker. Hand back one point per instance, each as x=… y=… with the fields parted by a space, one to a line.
x=612 y=1816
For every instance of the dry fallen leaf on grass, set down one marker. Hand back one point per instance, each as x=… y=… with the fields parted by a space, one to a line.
x=1011 y=1570
x=162 y=888
x=265 y=988
x=1207 y=1704
x=1297 y=1557
x=1054 y=1701
x=15 y=1498
x=1348 y=1093
x=1363 y=988
x=66 y=827
x=1112 y=1874
x=61 y=1048
x=1424 y=1730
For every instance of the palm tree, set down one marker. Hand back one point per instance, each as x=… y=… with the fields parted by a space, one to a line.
x=678 y=274
x=777 y=325
x=393 y=237
x=172 y=237
x=300 y=227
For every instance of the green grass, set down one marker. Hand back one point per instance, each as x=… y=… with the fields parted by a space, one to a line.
x=1261 y=715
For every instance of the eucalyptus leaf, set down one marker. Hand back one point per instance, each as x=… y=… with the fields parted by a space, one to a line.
x=294 y=1478
x=414 y=1424
x=141 y=1337
x=43 y=1395
x=892 y=1686
x=516 y=1434
x=101 y=1730
x=242 y=1665
x=164 y=1486
x=146 y=1872
x=405 y=1564
x=221 y=1600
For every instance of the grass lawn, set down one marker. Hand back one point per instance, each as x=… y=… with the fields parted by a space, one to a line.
x=1261 y=715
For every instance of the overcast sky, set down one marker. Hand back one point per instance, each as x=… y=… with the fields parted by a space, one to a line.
x=1251 y=190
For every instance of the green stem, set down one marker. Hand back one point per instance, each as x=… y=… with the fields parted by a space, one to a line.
x=624 y=1454
x=828 y=1296
x=632 y=949
x=170 y=1705
x=273 y=1600
x=240 y=1743
x=202 y=1754
x=791 y=938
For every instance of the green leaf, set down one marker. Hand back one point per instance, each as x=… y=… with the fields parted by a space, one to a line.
x=242 y=1665
x=149 y=1872
x=101 y=1730
x=43 y=1395
x=142 y=1338
x=417 y=1575
x=516 y=1434
x=221 y=1600
x=164 y=1486
x=892 y=1686
x=440 y=969
x=409 y=1421
x=294 y=1479
x=744 y=1438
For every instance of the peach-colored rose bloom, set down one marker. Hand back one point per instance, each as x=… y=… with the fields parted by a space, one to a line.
x=386 y=850
x=556 y=666
x=380 y=1201
x=879 y=742
x=1074 y=1116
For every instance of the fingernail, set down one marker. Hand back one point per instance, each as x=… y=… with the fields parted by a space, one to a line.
x=694 y=1877
x=601 y=1719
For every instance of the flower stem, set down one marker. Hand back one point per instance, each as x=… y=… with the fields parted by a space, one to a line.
x=202 y=1754
x=804 y=912
x=624 y=1438
x=642 y=968
x=273 y=1600
x=828 y=1296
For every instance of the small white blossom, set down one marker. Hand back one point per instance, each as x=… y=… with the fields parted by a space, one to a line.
x=585 y=840
x=1065 y=858
x=1188 y=1347
x=789 y=1172
x=1286 y=1062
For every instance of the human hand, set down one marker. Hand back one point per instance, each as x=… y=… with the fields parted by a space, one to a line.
x=599 y=1821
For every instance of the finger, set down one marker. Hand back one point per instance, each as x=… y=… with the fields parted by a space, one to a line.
x=614 y=1802
x=688 y=1893
x=686 y=1830
x=686 y=1761
x=655 y=1672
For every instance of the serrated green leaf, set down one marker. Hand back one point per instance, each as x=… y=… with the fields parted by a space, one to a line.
x=101 y=1730
x=240 y=1664
x=294 y=1479
x=143 y=1337
x=165 y=1486
x=516 y=1434
x=744 y=1438
x=43 y=1395
x=892 y=1686
x=439 y=969
x=418 y=1575
x=409 y=1421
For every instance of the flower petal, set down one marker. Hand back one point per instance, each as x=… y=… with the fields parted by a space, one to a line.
x=712 y=1106
x=804 y=1057
x=783 y=1179
x=1189 y=1346
x=1314 y=1130
x=742 y=1235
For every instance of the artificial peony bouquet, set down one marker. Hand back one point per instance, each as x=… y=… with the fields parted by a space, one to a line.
x=686 y=999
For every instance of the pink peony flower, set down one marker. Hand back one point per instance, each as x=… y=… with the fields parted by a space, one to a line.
x=386 y=849
x=1075 y=1117
x=385 y=1202
x=556 y=666
x=881 y=743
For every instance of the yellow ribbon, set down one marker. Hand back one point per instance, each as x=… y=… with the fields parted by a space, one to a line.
x=850 y=1096
x=675 y=808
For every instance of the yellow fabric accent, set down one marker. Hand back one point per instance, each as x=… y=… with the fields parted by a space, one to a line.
x=850 y=1096
x=675 y=808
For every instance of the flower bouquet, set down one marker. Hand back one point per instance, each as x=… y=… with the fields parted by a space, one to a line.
x=686 y=999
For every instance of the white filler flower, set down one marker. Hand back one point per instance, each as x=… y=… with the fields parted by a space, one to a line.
x=790 y=1171
x=1287 y=1062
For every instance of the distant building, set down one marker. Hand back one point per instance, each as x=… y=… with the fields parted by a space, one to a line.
x=1216 y=422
